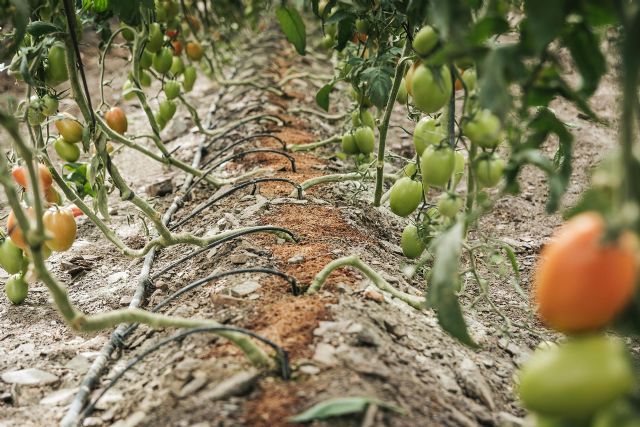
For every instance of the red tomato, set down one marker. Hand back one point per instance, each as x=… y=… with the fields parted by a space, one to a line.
x=21 y=176
x=177 y=47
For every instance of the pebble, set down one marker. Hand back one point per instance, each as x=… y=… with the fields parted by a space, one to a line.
x=238 y=259
x=325 y=354
x=505 y=419
x=80 y=364
x=59 y=397
x=29 y=376
x=296 y=259
x=238 y=384
x=119 y=276
x=161 y=188
x=309 y=369
x=132 y=420
x=245 y=288
x=194 y=385
x=473 y=383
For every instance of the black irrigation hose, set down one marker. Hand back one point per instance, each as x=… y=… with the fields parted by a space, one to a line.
x=214 y=199
x=249 y=138
x=282 y=356
x=219 y=242
x=291 y=159
x=269 y=117
x=295 y=289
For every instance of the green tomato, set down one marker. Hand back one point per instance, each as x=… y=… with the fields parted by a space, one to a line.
x=189 y=78
x=34 y=113
x=162 y=123
x=411 y=243
x=449 y=204
x=403 y=96
x=167 y=110
x=11 y=257
x=127 y=33
x=436 y=165
x=484 y=129
x=365 y=139
x=405 y=196
x=171 y=89
x=349 y=144
x=56 y=68
x=458 y=168
x=470 y=79
x=67 y=152
x=489 y=171
x=16 y=289
x=177 y=66
x=127 y=90
x=49 y=105
x=425 y=40
x=362 y=26
x=163 y=60
x=146 y=59
x=576 y=378
x=327 y=41
x=145 y=79
x=410 y=170
x=331 y=29
x=620 y=414
x=431 y=94
x=155 y=40
x=427 y=133
x=363 y=117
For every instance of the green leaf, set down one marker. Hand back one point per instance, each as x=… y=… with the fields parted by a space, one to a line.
x=346 y=27
x=341 y=406
x=322 y=97
x=584 y=46
x=292 y=27
x=544 y=22
x=40 y=28
x=444 y=279
x=378 y=81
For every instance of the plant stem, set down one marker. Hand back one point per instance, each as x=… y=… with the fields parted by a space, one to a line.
x=312 y=145
x=414 y=301
x=384 y=126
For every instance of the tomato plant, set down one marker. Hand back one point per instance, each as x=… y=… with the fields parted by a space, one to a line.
x=70 y=129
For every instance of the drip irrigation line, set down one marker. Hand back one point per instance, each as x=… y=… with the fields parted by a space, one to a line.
x=249 y=138
x=240 y=155
x=214 y=199
x=295 y=288
x=218 y=243
x=282 y=356
x=227 y=131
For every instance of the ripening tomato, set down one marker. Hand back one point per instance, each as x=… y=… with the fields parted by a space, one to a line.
x=117 y=120
x=52 y=196
x=167 y=109
x=425 y=40
x=194 y=51
x=483 y=129
x=177 y=47
x=177 y=66
x=76 y=211
x=363 y=117
x=67 y=152
x=16 y=289
x=411 y=243
x=405 y=196
x=427 y=133
x=195 y=22
x=436 y=165
x=61 y=228
x=365 y=139
x=577 y=377
x=189 y=78
x=489 y=170
x=172 y=33
x=21 y=176
x=162 y=60
x=349 y=144
x=582 y=282
x=449 y=204
x=429 y=93
x=402 y=96
x=56 y=67
x=11 y=257
x=70 y=129
x=171 y=89
x=155 y=39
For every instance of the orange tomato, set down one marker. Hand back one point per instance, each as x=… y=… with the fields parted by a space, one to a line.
x=15 y=232
x=21 y=176
x=194 y=51
x=117 y=120
x=61 y=227
x=195 y=23
x=177 y=47
x=582 y=282
x=52 y=196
